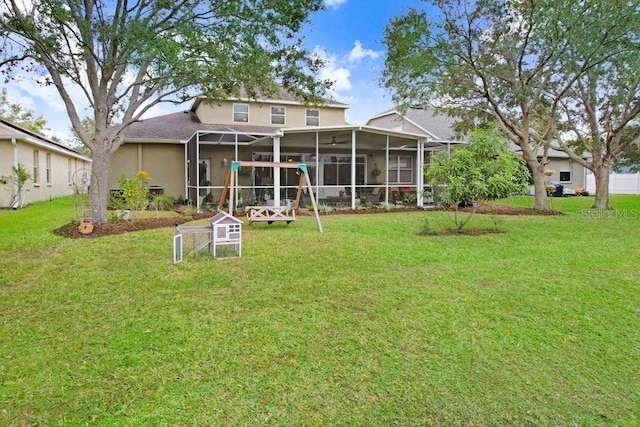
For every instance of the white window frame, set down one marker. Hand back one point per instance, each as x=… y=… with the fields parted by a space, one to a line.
x=395 y=171
x=36 y=167
x=280 y=116
x=308 y=117
x=238 y=113
x=566 y=170
x=48 y=168
x=69 y=167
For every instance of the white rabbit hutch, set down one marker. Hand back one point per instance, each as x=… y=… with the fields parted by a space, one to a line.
x=222 y=238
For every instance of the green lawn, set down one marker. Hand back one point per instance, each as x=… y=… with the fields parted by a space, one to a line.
x=366 y=324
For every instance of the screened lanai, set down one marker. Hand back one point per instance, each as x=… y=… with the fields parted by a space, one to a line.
x=348 y=165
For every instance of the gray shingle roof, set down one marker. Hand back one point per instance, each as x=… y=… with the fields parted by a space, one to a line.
x=436 y=126
x=9 y=130
x=441 y=126
x=182 y=125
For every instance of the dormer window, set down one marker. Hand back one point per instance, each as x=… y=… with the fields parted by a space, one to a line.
x=313 y=117
x=277 y=115
x=241 y=113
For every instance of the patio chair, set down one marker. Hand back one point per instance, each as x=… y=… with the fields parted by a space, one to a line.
x=375 y=196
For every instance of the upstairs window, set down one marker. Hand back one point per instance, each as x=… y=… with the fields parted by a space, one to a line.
x=241 y=113
x=313 y=117
x=278 y=115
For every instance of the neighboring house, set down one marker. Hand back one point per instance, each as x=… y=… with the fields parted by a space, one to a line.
x=441 y=128
x=52 y=166
x=566 y=171
x=418 y=120
x=437 y=128
x=189 y=153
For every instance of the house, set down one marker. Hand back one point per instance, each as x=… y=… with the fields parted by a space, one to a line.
x=441 y=128
x=189 y=153
x=437 y=128
x=52 y=166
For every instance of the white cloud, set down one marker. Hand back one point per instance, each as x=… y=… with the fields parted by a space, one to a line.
x=332 y=71
x=358 y=53
x=45 y=101
x=15 y=96
x=334 y=4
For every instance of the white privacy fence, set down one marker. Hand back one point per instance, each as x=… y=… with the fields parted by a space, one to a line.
x=619 y=183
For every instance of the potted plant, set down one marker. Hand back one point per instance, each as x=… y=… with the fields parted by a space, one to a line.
x=375 y=173
x=119 y=205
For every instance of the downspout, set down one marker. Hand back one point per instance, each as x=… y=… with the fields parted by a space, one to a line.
x=16 y=159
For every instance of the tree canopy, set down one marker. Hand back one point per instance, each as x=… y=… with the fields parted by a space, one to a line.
x=630 y=157
x=126 y=57
x=483 y=169
x=598 y=115
x=517 y=62
x=17 y=114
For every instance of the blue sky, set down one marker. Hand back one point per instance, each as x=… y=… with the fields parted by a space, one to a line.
x=348 y=34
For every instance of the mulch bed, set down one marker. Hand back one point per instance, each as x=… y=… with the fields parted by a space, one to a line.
x=463 y=232
x=502 y=210
x=119 y=227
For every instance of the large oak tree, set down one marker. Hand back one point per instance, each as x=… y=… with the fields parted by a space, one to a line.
x=515 y=61
x=599 y=115
x=127 y=56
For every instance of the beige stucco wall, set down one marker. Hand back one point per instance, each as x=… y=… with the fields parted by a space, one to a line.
x=566 y=165
x=165 y=164
x=6 y=157
x=260 y=114
x=61 y=171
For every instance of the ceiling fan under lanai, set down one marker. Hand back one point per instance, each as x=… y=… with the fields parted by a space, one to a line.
x=335 y=142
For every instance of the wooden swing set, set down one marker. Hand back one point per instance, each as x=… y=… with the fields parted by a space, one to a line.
x=269 y=214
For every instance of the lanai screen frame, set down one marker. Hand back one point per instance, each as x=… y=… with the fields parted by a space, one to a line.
x=415 y=143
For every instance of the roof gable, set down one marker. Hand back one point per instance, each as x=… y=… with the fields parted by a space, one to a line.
x=223 y=217
x=434 y=125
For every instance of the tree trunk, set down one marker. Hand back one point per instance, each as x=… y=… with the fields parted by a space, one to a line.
x=540 y=190
x=99 y=191
x=601 y=175
x=536 y=168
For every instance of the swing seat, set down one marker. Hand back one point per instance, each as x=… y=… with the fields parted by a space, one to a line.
x=270 y=214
